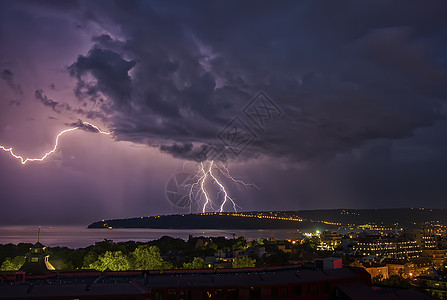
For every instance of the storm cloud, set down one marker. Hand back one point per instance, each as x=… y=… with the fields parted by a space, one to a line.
x=339 y=85
x=40 y=95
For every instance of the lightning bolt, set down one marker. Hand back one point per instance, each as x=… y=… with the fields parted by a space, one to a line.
x=222 y=188
x=203 y=189
x=25 y=160
x=237 y=181
x=206 y=174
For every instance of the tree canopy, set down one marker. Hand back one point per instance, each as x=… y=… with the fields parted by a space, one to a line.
x=244 y=262
x=148 y=258
x=12 y=264
x=197 y=263
x=112 y=260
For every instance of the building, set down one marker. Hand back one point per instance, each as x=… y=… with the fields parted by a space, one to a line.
x=329 y=263
x=435 y=284
x=387 y=247
x=330 y=240
x=424 y=237
x=437 y=256
x=296 y=282
x=36 y=261
x=374 y=268
x=285 y=248
x=395 y=266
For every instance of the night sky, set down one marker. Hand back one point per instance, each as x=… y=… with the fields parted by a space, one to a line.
x=359 y=88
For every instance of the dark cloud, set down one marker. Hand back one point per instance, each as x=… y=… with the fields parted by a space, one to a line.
x=105 y=41
x=110 y=73
x=180 y=73
x=84 y=126
x=40 y=95
x=197 y=153
x=178 y=150
x=8 y=76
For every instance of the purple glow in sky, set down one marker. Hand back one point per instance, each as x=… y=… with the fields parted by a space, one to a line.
x=360 y=85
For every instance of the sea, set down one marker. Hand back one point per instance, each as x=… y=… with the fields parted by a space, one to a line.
x=79 y=236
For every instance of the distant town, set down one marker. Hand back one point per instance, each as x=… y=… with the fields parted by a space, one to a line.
x=407 y=254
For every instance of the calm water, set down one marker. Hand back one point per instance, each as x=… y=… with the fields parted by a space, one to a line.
x=79 y=236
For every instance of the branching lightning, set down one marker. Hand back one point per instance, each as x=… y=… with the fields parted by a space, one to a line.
x=207 y=175
x=227 y=174
x=82 y=124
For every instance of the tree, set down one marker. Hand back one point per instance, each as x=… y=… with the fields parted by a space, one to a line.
x=377 y=279
x=396 y=281
x=89 y=259
x=244 y=262
x=197 y=263
x=310 y=244
x=12 y=264
x=240 y=243
x=167 y=243
x=149 y=258
x=409 y=268
x=393 y=281
x=115 y=261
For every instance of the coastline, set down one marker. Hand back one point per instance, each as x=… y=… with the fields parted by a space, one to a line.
x=77 y=236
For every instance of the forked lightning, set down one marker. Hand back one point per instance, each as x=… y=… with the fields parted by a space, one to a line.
x=28 y=159
x=198 y=189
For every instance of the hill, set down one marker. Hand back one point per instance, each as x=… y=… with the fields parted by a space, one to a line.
x=308 y=219
x=207 y=221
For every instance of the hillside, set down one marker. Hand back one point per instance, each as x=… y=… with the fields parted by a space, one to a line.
x=199 y=221
x=308 y=219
